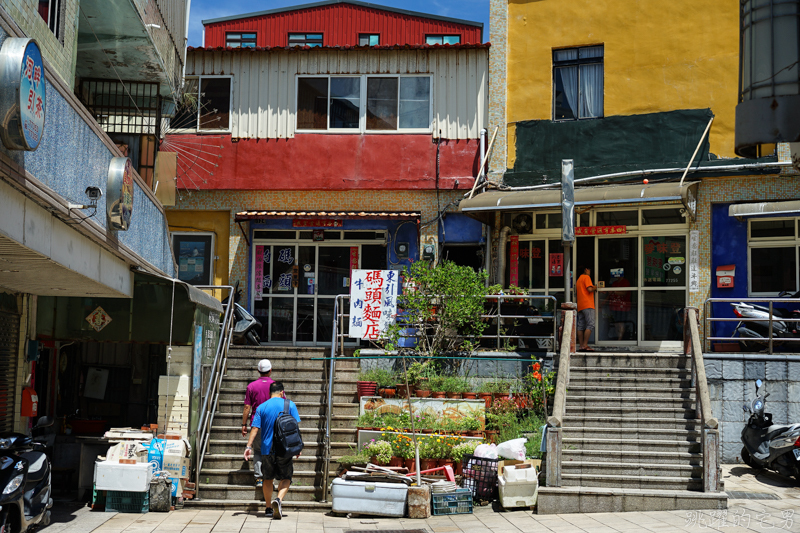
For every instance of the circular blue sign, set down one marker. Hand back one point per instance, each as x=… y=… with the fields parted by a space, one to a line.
x=33 y=101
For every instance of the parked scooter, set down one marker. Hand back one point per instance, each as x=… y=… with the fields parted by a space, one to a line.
x=25 y=501
x=775 y=447
x=245 y=325
x=754 y=335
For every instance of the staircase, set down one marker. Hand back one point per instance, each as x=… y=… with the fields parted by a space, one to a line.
x=631 y=438
x=226 y=480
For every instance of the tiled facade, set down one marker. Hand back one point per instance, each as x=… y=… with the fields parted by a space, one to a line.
x=498 y=62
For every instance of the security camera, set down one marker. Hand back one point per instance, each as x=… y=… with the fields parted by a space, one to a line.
x=93 y=193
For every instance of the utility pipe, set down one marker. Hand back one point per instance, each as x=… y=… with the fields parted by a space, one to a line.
x=699 y=144
x=483 y=161
x=501 y=256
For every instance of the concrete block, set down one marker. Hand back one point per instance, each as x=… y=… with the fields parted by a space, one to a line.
x=713 y=368
x=732 y=411
x=793 y=371
x=776 y=371
x=793 y=391
x=715 y=390
x=754 y=370
x=733 y=391
x=778 y=392
x=794 y=412
x=731 y=431
x=732 y=370
x=780 y=411
x=731 y=452
x=716 y=409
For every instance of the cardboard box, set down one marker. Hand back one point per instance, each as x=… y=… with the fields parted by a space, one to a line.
x=127 y=450
x=155 y=454
x=178 y=467
x=177 y=486
x=537 y=463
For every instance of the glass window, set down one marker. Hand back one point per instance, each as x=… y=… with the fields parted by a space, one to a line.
x=617 y=258
x=415 y=102
x=194 y=255
x=215 y=103
x=771 y=228
x=548 y=221
x=240 y=40
x=305 y=39
x=51 y=12
x=369 y=39
x=584 y=219
x=664 y=261
x=773 y=270
x=442 y=39
x=617 y=218
x=373 y=257
x=275 y=234
x=345 y=103
x=578 y=83
x=382 y=103
x=617 y=315
x=663 y=315
x=652 y=217
x=312 y=103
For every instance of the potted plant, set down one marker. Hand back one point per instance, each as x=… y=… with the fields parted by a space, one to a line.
x=404 y=449
x=471 y=425
x=485 y=393
x=386 y=381
x=469 y=393
x=454 y=386
x=437 y=384
x=366 y=384
x=379 y=451
x=347 y=461
x=460 y=451
x=366 y=421
x=423 y=389
x=427 y=450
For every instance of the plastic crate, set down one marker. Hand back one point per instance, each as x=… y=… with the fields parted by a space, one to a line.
x=480 y=477
x=98 y=498
x=127 y=502
x=458 y=502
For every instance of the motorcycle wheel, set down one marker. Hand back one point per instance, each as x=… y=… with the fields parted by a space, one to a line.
x=746 y=458
x=252 y=338
x=5 y=523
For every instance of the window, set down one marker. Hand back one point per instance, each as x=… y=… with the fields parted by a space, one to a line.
x=369 y=39
x=305 y=39
x=212 y=105
x=442 y=39
x=240 y=40
x=194 y=253
x=773 y=248
x=50 y=11
x=578 y=83
x=364 y=103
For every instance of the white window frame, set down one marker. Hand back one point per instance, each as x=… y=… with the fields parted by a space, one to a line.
x=231 y=111
x=754 y=243
x=362 y=129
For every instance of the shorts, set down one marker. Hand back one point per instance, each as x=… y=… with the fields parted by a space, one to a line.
x=276 y=468
x=585 y=319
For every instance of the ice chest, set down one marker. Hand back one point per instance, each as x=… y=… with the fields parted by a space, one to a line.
x=369 y=498
x=518 y=488
x=122 y=477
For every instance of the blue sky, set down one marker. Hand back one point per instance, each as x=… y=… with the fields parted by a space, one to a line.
x=476 y=10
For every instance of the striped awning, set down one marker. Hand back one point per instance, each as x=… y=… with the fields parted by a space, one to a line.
x=350 y=215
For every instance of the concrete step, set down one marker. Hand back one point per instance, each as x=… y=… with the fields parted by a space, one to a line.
x=237 y=394
x=640 y=402
x=304 y=408
x=235 y=461
x=646 y=433
x=632 y=482
x=589 y=499
x=285 y=363
x=297 y=493
x=682 y=457
x=644 y=422
x=292 y=385
x=279 y=374
x=616 y=371
x=288 y=507
x=307 y=421
x=626 y=444
x=231 y=432
x=608 y=468
x=631 y=411
x=224 y=476
x=631 y=360
x=627 y=391
x=579 y=379
x=264 y=352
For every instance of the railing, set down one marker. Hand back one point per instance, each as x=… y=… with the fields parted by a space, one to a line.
x=767 y=323
x=556 y=420
x=217 y=372
x=709 y=425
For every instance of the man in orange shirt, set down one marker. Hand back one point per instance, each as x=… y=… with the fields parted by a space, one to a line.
x=585 y=291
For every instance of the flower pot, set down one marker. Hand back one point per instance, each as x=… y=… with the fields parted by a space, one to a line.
x=476 y=433
x=396 y=461
x=427 y=464
x=439 y=394
x=445 y=462
x=454 y=395
x=366 y=388
x=410 y=464
x=470 y=395
x=486 y=397
x=388 y=393
x=422 y=393
x=491 y=435
x=374 y=460
x=523 y=401
x=459 y=469
x=402 y=391
x=427 y=431
x=500 y=395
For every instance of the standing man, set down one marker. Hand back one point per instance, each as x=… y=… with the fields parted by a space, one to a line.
x=585 y=291
x=257 y=393
x=273 y=467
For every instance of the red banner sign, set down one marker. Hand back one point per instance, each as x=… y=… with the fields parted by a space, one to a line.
x=601 y=230
x=556 y=265
x=513 y=278
x=316 y=223
x=353 y=260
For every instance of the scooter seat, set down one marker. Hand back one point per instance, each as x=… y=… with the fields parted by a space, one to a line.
x=777 y=430
x=37 y=465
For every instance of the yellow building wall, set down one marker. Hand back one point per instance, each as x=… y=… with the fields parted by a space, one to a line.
x=216 y=222
x=659 y=56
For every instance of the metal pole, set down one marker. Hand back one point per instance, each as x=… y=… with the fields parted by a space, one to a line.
x=770 y=327
x=567 y=220
x=567 y=271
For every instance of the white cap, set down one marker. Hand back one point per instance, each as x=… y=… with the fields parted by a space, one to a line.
x=264 y=366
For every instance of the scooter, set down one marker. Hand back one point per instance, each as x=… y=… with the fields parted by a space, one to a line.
x=775 y=447
x=245 y=325
x=25 y=501
x=754 y=331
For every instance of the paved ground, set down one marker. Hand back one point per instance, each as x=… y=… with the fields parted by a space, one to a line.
x=763 y=502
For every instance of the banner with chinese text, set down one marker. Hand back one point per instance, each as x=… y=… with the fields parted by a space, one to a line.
x=601 y=230
x=373 y=302
x=513 y=264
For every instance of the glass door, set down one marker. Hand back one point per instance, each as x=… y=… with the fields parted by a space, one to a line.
x=617 y=280
x=663 y=289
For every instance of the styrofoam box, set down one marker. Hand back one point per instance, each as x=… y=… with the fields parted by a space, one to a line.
x=122 y=477
x=514 y=475
x=519 y=494
x=173 y=385
x=369 y=498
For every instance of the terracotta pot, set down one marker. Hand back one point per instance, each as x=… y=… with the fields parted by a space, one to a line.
x=374 y=460
x=422 y=393
x=366 y=388
x=439 y=394
x=476 y=433
x=388 y=393
x=491 y=435
x=486 y=397
x=396 y=461
x=411 y=464
x=402 y=391
x=428 y=431
x=501 y=395
x=459 y=469
x=454 y=395
x=470 y=395
x=446 y=462
x=427 y=464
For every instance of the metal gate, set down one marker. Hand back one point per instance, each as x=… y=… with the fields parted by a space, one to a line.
x=9 y=343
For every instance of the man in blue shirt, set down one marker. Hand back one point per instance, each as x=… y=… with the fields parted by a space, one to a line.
x=272 y=467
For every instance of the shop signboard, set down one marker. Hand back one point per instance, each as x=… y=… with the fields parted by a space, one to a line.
x=556 y=265
x=694 y=261
x=317 y=223
x=258 y=276
x=119 y=206
x=353 y=265
x=513 y=266
x=601 y=230
x=23 y=101
x=373 y=302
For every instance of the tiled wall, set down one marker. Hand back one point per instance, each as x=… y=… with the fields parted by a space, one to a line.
x=498 y=61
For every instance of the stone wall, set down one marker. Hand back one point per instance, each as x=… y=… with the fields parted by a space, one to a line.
x=731 y=383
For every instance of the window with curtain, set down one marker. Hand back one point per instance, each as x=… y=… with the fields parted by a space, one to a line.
x=578 y=83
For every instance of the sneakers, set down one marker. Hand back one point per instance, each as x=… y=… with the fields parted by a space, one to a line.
x=259 y=482
x=276 y=509
x=268 y=512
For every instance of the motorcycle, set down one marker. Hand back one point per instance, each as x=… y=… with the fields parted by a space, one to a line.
x=245 y=325
x=753 y=330
x=776 y=447
x=25 y=501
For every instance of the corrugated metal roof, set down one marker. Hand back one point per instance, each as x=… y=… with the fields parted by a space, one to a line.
x=484 y=46
x=249 y=215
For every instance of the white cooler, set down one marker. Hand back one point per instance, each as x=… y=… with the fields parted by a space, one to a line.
x=363 y=497
x=518 y=488
x=128 y=478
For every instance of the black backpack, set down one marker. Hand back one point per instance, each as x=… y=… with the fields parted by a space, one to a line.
x=286 y=439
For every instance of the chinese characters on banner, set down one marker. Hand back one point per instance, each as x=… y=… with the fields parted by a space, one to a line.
x=258 y=276
x=353 y=264
x=316 y=223
x=694 y=261
x=32 y=96
x=513 y=264
x=601 y=230
x=557 y=264
x=373 y=302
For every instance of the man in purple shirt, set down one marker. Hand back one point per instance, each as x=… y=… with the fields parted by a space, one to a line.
x=257 y=393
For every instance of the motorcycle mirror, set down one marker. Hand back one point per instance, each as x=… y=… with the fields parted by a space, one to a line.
x=44 y=422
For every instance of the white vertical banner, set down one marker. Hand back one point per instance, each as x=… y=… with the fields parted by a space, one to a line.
x=694 y=261
x=373 y=302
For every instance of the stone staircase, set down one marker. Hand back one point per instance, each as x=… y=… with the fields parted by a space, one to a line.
x=631 y=437
x=226 y=480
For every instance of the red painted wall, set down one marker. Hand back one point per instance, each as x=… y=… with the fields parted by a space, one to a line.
x=328 y=162
x=340 y=25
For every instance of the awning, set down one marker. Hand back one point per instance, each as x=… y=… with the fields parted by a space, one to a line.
x=791 y=207
x=350 y=215
x=491 y=201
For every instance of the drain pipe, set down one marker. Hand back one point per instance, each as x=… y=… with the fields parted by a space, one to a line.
x=501 y=256
x=487 y=258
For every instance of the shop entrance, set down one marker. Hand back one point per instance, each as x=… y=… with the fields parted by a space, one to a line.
x=299 y=281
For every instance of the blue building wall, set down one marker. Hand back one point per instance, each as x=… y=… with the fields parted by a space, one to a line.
x=728 y=247
x=460 y=229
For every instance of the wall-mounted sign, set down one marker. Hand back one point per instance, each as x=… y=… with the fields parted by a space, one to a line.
x=373 y=303
x=316 y=223
x=98 y=319
x=23 y=102
x=119 y=206
x=513 y=263
x=556 y=265
x=601 y=230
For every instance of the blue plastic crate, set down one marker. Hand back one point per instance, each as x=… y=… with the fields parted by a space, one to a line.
x=127 y=502
x=458 y=502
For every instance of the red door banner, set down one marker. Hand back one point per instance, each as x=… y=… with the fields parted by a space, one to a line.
x=513 y=278
x=557 y=264
x=353 y=262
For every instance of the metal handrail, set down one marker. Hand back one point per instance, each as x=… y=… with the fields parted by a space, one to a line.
x=218 y=368
x=329 y=406
x=708 y=319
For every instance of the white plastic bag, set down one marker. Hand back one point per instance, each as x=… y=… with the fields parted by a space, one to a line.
x=512 y=449
x=486 y=451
